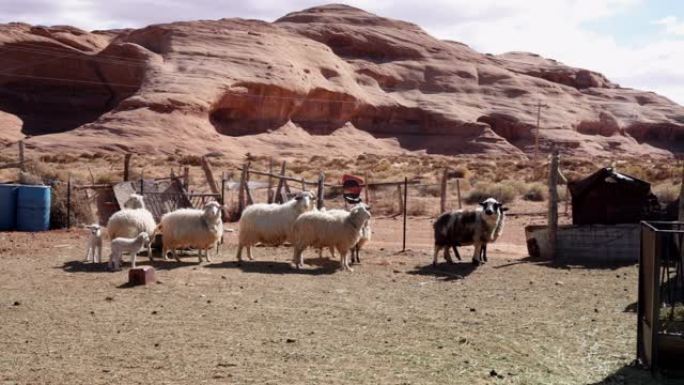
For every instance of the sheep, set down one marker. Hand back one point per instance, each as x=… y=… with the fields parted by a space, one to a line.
x=322 y=229
x=135 y=201
x=365 y=237
x=469 y=227
x=271 y=223
x=94 y=250
x=130 y=222
x=196 y=228
x=122 y=245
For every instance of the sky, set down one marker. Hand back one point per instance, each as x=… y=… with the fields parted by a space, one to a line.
x=635 y=43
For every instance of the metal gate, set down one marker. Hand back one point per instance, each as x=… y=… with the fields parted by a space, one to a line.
x=660 y=330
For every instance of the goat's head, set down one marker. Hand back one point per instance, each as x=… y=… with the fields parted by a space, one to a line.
x=491 y=206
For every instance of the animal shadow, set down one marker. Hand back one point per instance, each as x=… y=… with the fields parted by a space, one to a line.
x=271 y=267
x=84 y=267
x=448 y=271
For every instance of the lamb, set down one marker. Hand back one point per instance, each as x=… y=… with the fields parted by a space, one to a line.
x=135 y=201
x=469 y=227
x=270 y=224
x=94 y=250
x=365 y=237
x=322 y=229
x=130 y=222
x=126 y=245
x=196 y=228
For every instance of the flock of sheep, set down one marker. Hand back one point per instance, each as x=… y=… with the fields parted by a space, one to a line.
x=296 y=221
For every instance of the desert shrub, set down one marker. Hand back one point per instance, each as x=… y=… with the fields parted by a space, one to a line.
x=80 y=211
x=459 y=172
x=667 y=192
x=536 y=192
x=417 y=207
x=502 y=192
x=432 y=190
x=105 y=178
x=190 y=160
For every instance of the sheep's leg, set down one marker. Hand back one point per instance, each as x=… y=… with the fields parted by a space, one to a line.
x=239 y=252
x=483 y=253
x=99 y=254
x=447 y=256
x=206 y=256
x=175 y=254
x=133 y=258
x=87 y=255
x=249 y=253
x=332 y=252
x=455 y=249
x=297 y=258
x=344 y=260
x=436 y=256
x=477 y=254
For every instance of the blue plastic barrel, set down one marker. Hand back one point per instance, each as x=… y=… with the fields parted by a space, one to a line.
x=8 y=207
x=33 y=208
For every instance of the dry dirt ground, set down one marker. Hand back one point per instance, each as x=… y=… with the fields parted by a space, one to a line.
x=394 y=320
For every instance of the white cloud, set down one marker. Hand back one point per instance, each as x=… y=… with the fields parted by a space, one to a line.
x=672 y=25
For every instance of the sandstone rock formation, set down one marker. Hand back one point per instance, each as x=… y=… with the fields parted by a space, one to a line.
x=329 y=80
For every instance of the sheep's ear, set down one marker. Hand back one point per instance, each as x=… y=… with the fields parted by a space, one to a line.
x=503 y=209
x=483 y=203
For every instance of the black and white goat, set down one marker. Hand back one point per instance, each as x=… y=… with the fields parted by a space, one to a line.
x=469 y=227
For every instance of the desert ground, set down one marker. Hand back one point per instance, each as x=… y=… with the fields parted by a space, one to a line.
x=394 y=320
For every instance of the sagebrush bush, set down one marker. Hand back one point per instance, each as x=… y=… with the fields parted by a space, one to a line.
x=502 y=192
x=667 y=192
x=536 y=192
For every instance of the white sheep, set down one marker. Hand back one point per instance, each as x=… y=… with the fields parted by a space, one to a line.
x=126 y=245
x=321 y=229
x=365 y=237
x=469 y=227
x=128 y=223
x=94 y=247
x=135 y=201
x=195 y=228
x=270 y=224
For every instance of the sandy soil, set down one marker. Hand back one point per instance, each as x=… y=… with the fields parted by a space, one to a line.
x=394 y=320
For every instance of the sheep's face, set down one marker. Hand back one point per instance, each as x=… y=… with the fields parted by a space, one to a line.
x=95 y=230
x=145 y=237
x=305 y=200
x=212 y=209
x=135 y=201
x=492 y=207
x=361 y=212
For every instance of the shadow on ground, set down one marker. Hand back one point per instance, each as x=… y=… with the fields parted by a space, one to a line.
x=630 y=375
x=271 y=267
x=587 y=264
x=84 y=267
x=448 y=271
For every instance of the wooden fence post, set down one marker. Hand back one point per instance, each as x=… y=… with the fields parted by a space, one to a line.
x=553 y=203
x=681 y=198
x=270 y=180
x=209 y=175
x=68 y=221
x=443 y=192
x=403 y=247
x=303 y=184
x=241 y=190
x=186 y=177
x=127 y=167
x=278 y=193
x=22 y=164
x=366 y=188
x=401 y=201
x=319 y=200
x=223 y=188
x=458 y=193
x=142 y=179
x=248 y=193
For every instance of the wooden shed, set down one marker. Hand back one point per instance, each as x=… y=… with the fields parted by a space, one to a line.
x=609 y=197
